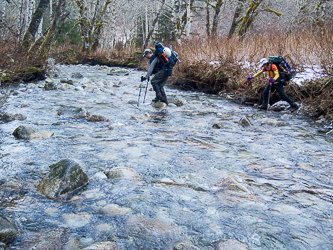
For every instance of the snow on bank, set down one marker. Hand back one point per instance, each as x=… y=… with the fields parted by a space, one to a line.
x=309 y=73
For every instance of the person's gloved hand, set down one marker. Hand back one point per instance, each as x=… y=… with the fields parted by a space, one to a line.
x=272 y=80
x=143 y=78
x=249 y=78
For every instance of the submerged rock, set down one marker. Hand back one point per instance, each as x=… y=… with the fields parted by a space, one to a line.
x=114 y=209
x=77 y=220
x=159 y=105
x=47 y=239
x=268 y=121
x=122 y=172
x=50 y=85
x=9 y=117
x=245 y=122
x=280 y=106
x=178 y=103
x=232 y=245
x=97 y=118
x=68 y=81
x=40 y=135
x=77 y=75
x=8 y=229
x=81 y=113
x=104 y=245
x=23 y=132
x=28 y=133
x=159 y=234
x=185 y=246
x=65 y=176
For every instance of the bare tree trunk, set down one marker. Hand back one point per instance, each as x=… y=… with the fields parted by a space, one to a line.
x=59 y=16
x=216 y=16
x=84 y=26
x=321 y=14
x=147 y=22
x=30 y=34
x=248 y=18
x=207 y=18
x=28 y=13
x=188 y=18
x=235 y=21
x=3 y=20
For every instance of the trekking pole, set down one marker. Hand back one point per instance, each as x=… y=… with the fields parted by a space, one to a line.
x=247 y=86
x=269 y=94
x=140 y=92
x=144 y=99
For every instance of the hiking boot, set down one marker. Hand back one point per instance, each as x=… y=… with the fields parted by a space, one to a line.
x=262 y=106
x=157 y=99
x=294 y=107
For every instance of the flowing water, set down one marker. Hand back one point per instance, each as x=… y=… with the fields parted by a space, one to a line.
x=267 y=185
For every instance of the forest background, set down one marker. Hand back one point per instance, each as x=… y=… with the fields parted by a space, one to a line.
x=219 y=42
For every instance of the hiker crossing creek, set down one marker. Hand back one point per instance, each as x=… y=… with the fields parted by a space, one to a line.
x=200 y=171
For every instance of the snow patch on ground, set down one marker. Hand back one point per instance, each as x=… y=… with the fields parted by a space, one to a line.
x=309 y=73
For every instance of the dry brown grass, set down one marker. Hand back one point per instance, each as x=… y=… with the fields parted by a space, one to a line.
x=304 y=48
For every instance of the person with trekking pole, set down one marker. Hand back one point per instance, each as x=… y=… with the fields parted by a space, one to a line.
x=161 y=65
x=275 y=83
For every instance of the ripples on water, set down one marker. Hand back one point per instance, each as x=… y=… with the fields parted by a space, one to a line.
x=267 y=186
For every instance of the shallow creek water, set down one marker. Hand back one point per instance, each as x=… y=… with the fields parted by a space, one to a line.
x=268 y=186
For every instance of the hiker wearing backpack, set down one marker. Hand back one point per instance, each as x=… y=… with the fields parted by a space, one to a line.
x=276 y=81
x=161 y=65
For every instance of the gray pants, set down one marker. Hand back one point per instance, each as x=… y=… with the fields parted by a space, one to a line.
x=158 y=82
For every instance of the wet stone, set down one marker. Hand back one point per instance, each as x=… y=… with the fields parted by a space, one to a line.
x=68 y=81
x=23 y=132
x=232 y=245
x=40 y=135
x=159 y=105
x=46 y=239
x=64 y=176
x=122 y=172
x=159 y=234
x=114 y=210
x=81 y=112
x=268 y=121
x=8 y=229
x=77 y=75
x=280 y=106
x=185 y=246
x=9 y=117
x=77 y=220
x=97 y=118
x=245 y=122
x=109 y=245
x=50 y=86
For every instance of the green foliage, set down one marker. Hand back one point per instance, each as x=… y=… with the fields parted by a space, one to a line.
x=67 y=33
x=165 y=27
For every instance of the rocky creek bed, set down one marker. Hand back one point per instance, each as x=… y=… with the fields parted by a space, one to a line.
x=82 y=167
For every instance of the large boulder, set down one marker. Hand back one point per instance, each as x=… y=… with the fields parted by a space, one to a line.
x=8 y=229
x=64 y=176
x=23 y=132
x=28 y=133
